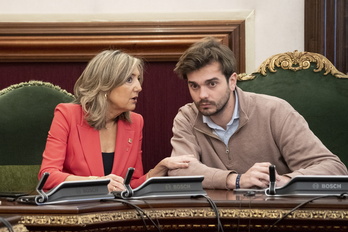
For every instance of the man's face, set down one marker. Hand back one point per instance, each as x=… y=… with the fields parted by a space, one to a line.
x=209 y=89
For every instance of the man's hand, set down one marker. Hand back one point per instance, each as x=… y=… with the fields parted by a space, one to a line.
x=283 y=180
x=256 y=177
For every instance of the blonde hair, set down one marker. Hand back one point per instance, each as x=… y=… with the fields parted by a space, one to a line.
x=107 y=70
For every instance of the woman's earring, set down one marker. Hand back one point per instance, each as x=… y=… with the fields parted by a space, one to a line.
x=106 y=95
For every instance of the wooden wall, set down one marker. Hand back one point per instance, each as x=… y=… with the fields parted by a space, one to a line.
x=326 y=30
x=58 y=53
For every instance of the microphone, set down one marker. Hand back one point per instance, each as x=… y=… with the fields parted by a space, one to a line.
x=129 y=191
x=42 y=195
x=272 y=179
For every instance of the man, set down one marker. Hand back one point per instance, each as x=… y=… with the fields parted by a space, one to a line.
x=237 y=135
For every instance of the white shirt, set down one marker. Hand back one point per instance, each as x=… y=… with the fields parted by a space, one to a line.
x=231 y=126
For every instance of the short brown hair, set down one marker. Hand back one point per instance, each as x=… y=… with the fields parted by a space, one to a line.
x=203 y=53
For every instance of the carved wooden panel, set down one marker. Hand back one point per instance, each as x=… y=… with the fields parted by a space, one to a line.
x=326 y=30
x=80 y=41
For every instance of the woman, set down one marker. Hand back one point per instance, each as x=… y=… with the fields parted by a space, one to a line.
x=97 y=136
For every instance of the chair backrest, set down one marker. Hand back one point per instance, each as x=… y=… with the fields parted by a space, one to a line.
x=26 y=112
x=314 y=87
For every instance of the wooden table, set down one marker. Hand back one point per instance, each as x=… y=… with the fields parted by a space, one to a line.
x=238 y=212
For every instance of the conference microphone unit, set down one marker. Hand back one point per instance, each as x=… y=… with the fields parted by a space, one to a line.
x=309 y=185
x=162 y=187
x=68 y=192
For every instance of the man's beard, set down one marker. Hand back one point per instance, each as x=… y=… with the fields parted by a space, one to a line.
x=219 y=107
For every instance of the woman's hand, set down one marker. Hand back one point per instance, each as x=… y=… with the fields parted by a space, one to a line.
x=170 y=163
x=177 y=162
x=116 y=182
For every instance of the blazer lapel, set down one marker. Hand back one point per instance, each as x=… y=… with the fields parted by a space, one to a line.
x=90 y=143
x=124 y=143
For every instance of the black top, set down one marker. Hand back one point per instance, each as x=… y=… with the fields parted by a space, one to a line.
x=108 y=160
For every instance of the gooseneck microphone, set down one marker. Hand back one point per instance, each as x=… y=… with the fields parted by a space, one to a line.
x=272 y=179
x=42 y=195
x=129 y=191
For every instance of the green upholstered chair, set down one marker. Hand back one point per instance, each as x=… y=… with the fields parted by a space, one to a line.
x=26 y=112
x=314 y=87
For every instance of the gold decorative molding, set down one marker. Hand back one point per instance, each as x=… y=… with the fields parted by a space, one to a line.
x=245 y=77
x=16 y=228
x=296 y=61
x=80 y=41
x=34 y=83
x=202 y=214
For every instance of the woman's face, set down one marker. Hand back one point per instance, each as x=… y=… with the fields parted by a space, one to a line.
x=124 y=98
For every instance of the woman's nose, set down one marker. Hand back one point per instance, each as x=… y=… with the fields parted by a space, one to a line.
x=138 y=87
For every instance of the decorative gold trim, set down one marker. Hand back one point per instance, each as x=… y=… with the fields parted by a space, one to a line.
x=245 y=77
x=16 y=228
x=296 y=61
x=84 y=220
x=35 y=83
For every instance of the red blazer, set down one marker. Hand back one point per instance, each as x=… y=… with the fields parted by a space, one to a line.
x=73 y=147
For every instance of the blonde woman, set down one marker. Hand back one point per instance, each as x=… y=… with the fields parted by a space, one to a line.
x=98 y=136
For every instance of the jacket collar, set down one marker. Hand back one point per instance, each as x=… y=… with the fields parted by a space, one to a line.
x=90 y=143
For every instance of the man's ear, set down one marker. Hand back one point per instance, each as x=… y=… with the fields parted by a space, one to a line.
x=232 y=81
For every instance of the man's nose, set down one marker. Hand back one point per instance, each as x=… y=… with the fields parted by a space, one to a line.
x=203 y=93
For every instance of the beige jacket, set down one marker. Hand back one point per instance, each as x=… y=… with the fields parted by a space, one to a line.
x=270 y=130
